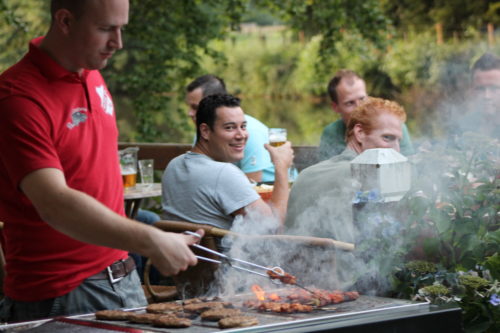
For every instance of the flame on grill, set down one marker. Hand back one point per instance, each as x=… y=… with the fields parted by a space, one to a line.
x=274 y=297
x=259 y=292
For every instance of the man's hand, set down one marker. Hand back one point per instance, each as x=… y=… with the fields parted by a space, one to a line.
x=170 y=252
x=281 y=156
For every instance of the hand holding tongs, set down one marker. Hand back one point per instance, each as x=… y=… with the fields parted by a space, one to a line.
x=229 y=260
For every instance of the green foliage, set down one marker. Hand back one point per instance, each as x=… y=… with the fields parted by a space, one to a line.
x=460 y=204
x=456 y=16
x=20 y=21
x=158 y=57
x=454 y=207
x=333 y=20
x=477 y=296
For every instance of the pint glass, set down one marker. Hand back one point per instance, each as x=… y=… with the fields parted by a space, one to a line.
x=128 y=166
x=277 y=136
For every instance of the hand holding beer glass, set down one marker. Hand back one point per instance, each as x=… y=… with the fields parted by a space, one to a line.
x=278 y=137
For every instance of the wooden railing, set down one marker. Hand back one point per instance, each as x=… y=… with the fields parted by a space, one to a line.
x=163 y=153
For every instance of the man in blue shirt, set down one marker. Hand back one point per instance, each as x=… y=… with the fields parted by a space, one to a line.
x=256 y=162
x=347 y=90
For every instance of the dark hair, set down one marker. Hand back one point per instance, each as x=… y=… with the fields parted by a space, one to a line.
x=76 y=7
x=209 y=84
x=207 y=110
x=486 y=62
x=335 y=81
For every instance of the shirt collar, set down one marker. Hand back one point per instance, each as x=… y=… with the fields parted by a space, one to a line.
x=47 y=65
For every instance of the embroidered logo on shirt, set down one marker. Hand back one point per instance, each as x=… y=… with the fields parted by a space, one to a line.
x=253 y=160
x=106 y=103
x=78 y=116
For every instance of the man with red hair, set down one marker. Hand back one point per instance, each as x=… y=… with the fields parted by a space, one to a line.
x=320 y=203
x=321 y=198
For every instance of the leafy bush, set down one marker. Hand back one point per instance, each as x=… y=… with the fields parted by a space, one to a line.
x=454 y=222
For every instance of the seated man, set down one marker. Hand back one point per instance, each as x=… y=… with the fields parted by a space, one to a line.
x=256 y=162
x=204 y=186
x=483 y=115
x=320 y=202
x=347 y=90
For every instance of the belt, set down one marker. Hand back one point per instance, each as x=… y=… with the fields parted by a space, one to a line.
x=116 y=271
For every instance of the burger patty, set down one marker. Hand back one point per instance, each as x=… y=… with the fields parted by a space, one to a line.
x=143 y=318
x=218 y=314
x=163 y=307
x=171 y=321
x=238 y=321
x=201 y=307
x=112 y=315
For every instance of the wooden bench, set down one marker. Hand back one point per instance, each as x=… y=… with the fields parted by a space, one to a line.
x=163 y=153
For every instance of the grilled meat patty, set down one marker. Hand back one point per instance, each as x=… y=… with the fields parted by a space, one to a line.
x=163 y=307
x=200 y=307
x=171 y=321
x=238 y=321
x=143 y=318
x=112 y=315
x=218 y=314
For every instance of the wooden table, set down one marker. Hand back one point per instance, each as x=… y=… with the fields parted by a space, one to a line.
x=134 y=195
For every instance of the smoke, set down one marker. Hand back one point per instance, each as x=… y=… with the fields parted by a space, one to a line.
x=448 y=172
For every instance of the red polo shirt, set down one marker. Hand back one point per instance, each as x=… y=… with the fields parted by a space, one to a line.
x=53 y=118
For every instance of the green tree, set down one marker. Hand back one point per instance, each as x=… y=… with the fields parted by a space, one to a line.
x=333 y=20
x=455 y=16
x=163 y=44
x=20 y=21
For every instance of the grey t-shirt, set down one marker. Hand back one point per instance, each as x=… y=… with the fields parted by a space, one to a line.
x=197 y=189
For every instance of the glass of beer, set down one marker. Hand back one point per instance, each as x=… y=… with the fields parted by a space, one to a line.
x=277 y=136
x=146 y=170
x=128 y=166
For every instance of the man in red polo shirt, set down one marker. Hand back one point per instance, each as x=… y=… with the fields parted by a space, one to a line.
x=66 y=237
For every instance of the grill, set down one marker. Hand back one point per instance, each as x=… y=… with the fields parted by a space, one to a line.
x=376 y=314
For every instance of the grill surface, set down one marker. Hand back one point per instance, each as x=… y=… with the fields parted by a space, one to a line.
x=363 y=310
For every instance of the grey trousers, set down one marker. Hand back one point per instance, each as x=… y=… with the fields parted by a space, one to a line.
x=90 y=296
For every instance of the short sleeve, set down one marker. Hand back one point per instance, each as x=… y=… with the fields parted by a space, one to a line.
x=26 y=138
x=234 y=190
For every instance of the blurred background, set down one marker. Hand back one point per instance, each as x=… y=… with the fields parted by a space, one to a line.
x=279 y=57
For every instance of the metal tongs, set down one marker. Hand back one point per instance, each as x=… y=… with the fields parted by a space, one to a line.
x=231 y=262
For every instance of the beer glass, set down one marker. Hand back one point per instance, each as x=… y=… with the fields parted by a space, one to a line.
x=146 y=169
x=128 y=165
x=277 y=136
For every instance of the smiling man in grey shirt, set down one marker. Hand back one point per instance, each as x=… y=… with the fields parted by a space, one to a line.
x=204 y=186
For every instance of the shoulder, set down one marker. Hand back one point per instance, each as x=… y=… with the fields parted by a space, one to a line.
x=255 y=125
x=335 y=126
x=334 y=163
x=20 y=78
x=334 y=132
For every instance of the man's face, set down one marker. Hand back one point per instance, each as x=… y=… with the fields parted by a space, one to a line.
x=350 y=92
x=486 y=90
x=193 y=99
x=97 y=34
x=386 y=133
x=226 y=142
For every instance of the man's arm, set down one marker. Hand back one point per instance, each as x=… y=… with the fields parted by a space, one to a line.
x=254 y=176
x=81 y=217
x=282 y=158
